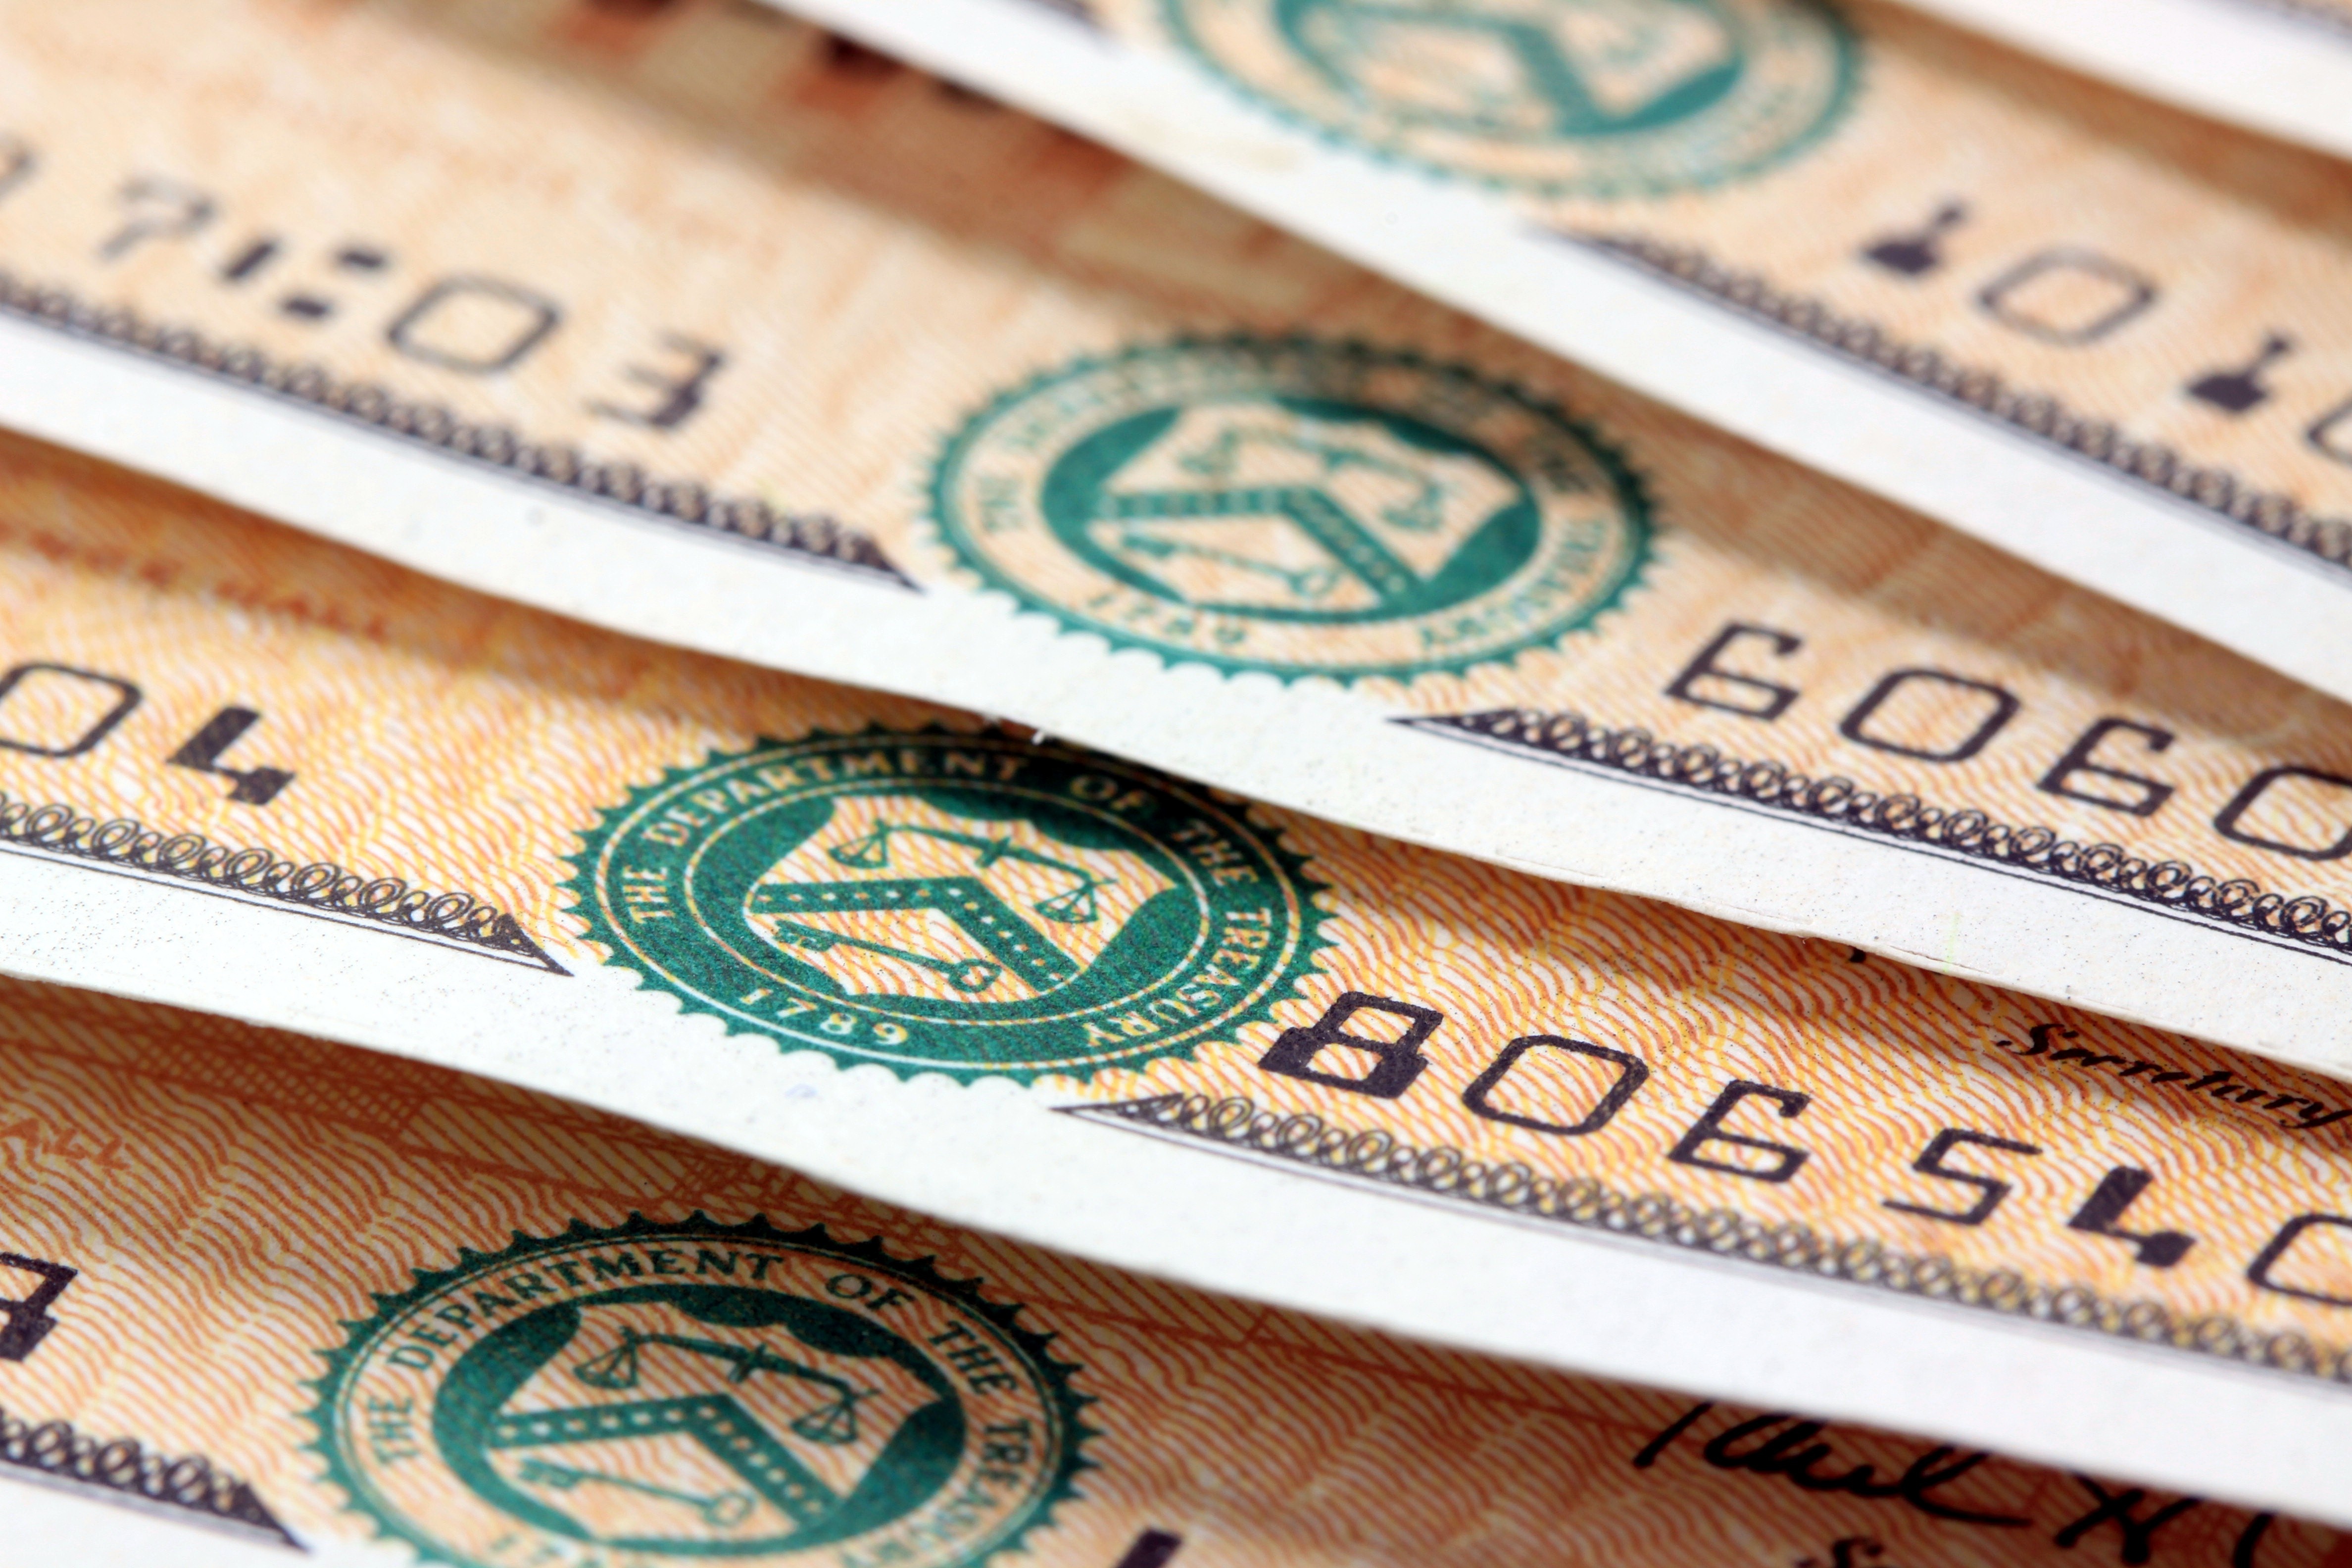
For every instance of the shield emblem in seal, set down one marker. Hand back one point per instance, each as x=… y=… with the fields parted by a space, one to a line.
x=956 y=903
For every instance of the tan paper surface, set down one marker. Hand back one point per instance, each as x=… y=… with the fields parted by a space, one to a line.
x=2281 y=66
x=207 y=1210
x=846 y=928
x=703 y=272
x=2104 y=334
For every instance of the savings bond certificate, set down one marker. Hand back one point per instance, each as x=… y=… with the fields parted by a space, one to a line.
x=693 y=321
x=1070 y=999
x=271 y=1301
x=2108 y=337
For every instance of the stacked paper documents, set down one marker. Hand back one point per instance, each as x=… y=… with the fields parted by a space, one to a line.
x=1126 y=782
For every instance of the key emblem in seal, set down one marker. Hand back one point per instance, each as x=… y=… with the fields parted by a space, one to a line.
x=657 y=1394
x=1591 y=98
x=1293 y=506
x=961 y=903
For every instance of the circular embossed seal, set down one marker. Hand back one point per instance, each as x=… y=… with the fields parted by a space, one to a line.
x=1597 y=98
x=1292 y=506
x=659 y=1394
x=964 y=904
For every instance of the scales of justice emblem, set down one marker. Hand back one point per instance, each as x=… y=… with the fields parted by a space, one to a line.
x=1593 y=98
x=1294 y=506
x=1247 y=506
x=680 y=1428
x=901 y=896
x=654 y=1392
x=1530 y=68
x=937 y=901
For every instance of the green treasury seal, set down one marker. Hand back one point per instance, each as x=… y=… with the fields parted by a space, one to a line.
x=659 y=1394
x=965 y=903
x=1292 y=506
x=1597 y=98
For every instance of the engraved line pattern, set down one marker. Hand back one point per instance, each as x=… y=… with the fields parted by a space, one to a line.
x=320 y=885
x=431 y=425
x=2216 y=491
x=54 y=1449
x=2175 y=885
x=1442 y=1170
